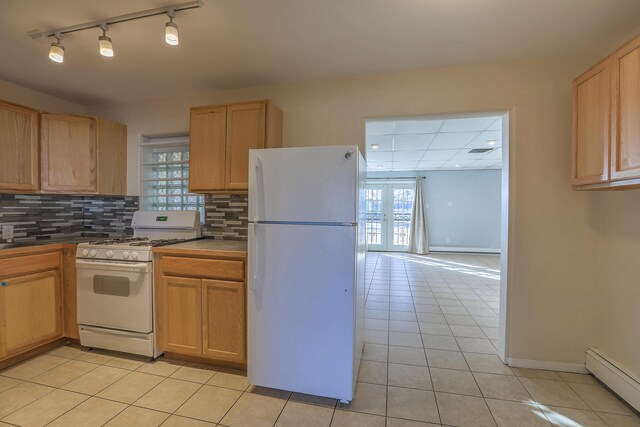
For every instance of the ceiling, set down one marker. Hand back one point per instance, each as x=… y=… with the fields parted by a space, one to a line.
x=434 y=144
x=240 y=43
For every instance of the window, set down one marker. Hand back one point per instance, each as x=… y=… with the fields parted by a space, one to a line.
x=164 y=176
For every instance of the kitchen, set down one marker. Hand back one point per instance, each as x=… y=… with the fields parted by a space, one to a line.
x=562 y=243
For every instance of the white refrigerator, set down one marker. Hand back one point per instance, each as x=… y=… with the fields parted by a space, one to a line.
x=306 y=269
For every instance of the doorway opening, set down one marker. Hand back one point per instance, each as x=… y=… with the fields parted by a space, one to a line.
x=460 y=165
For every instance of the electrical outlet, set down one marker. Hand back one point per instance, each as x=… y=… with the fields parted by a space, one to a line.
x=448 y=239
x=7 y=232
x=449 y=204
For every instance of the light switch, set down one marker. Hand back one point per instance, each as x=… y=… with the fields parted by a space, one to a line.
x=449 y=204
x=7 y=232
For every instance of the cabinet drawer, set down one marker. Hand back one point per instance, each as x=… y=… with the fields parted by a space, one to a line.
x=202 y=267
x=27 y=264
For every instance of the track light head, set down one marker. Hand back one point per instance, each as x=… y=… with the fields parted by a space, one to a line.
x=171 y=30
x=104 y=42
x=56 y=52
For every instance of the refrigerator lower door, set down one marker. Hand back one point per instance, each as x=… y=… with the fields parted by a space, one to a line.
x=301 y=308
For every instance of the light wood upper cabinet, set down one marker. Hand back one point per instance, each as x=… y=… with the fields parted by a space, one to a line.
x=245 y=131
x=220 y=140
x=591 y=132
x=223 y=313
x=181 y=315
x=207 y=145
x=69 y=154
x=18 y=149
x=112 y=158
x=606 y=122
x=625 y=149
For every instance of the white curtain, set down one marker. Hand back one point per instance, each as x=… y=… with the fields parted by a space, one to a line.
x=418 y=234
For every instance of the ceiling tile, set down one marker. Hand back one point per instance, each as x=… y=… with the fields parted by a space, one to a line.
x=385 y=142
x=379 y=156
x=417 y=126
x=497 y=125
x=482 y=140
x=408 y=156
x=378 y=166
x=495 y=154
x=430 y=164
x=472 y=124
x=447 y=141
x=404 y=166
x=416 y=141
x=379 y=127
x=439 y=154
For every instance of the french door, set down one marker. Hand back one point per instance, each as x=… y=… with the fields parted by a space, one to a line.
x=389 y=216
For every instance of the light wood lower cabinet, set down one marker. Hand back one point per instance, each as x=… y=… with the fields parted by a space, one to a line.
x=196 y=313
x=181 y=315
x=223 y=319
x=70 y=294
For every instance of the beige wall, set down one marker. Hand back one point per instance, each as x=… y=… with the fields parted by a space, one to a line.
x=618 y=330
x=553 y=236
x=38 y=100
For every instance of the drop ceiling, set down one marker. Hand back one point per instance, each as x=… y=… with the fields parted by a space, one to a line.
x=241 y=43
x=434 y=144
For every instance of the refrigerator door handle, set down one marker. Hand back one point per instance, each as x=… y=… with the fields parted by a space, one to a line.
x=260 y=190
x=257 y=256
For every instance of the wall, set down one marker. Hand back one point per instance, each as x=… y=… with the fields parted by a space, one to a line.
x=618 y=328
x=37 y=100
x=553 y=230
x=472 y=222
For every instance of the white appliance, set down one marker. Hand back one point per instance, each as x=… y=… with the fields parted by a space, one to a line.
x=115 y=282
x=305 y=304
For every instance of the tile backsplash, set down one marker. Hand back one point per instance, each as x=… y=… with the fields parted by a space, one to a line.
x=226 y=216
x=45 y=216
x=40 y=216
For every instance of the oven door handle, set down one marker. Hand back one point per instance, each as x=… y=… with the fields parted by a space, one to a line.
x=114 y=266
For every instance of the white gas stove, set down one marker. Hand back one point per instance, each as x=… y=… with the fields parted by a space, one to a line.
x=115 y=282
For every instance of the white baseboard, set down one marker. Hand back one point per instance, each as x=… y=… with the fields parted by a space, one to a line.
x=578 y=368
x=463 y=249
x=616 y=377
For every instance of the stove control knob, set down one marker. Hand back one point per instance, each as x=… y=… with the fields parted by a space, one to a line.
x=109 y=254
x=93 y=253
x=125 y=254
x=134 y=255
x=85 y=252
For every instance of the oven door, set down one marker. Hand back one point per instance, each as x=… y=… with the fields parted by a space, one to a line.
x=115 y=295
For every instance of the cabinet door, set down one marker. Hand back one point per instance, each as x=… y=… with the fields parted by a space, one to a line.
x=223 y=310
x=625 y=150
x=181 y=314
x=18 y=148
x=245 y=131
x=591 y=126
x=70 y=295
x=30 y=312
x=112 y=158
x=207 y=149
x=68 y=154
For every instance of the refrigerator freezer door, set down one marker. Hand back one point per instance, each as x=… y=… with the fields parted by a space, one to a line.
x=301 y=308
x=311 y=184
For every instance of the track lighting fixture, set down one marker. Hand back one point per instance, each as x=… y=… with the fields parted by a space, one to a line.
x=104 y=42
x=56 y=52
x=171 y=30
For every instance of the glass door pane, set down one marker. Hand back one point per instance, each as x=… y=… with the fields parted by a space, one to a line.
x=402 y=205
x=375 y=209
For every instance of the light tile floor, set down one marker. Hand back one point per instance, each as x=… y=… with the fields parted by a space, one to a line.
x=430 y=359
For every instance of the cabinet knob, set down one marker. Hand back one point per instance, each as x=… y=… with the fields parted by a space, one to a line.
x=4 y=283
